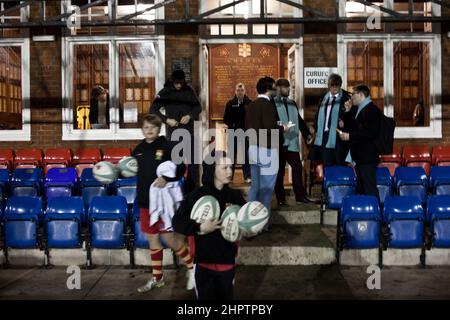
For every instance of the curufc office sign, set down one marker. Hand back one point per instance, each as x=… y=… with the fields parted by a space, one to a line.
x=317 y=77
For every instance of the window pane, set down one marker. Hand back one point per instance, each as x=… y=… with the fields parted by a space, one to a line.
x=365 y=65
x=411 y=83
x=10 y=88
x=420 y=9
x=357 y=9
x=91 y=69
x=136 y=82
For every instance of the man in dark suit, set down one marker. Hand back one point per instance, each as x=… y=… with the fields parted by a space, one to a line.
x=331 y=115
x=363 y=131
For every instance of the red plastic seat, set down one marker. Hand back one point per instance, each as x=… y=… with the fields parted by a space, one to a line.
x=417 y=156
x=392 y=161
x=440 y=156
x=85 y=158
x=28 y=158
x=115 y=154
x=6 y=159
x=57 y=158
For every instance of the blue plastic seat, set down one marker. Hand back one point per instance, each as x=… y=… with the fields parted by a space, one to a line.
x=338 y=183
x=440 y=180
x=404 y=217
x=90 y=187
x=140 y=238
x=60 y=182
x=384 y=183
x=4 y=184
x=63 y=222
x=21 y=222
x=438 y=214
x=411 y=181
x=26 y=182
x=360 y=222
x=126 y=187
x=107 y=222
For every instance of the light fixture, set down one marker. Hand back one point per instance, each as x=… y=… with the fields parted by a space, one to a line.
x=44 y=38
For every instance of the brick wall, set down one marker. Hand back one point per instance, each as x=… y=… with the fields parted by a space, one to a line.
x=182 y=42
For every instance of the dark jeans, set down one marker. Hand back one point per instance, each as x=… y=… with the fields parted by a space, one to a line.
x=245 y=162
x=293 y=159
x=366 y=180
x=214 y=285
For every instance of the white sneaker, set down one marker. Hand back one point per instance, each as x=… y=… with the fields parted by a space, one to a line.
x=248 y=180
x=152 y=283
x=190 y=279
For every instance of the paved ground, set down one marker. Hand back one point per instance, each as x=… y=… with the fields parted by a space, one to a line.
x=310 y=282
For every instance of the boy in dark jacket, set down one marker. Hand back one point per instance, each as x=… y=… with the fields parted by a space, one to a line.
x=214 y=256
x=150 y=153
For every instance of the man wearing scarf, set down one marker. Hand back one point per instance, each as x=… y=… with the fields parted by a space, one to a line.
x=332 y=115
x=363 y=131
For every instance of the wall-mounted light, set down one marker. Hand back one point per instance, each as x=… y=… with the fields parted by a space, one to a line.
x=44 y=38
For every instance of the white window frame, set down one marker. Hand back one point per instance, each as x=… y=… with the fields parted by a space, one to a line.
x=114 y=132
x=23 y=134
x=434 y=130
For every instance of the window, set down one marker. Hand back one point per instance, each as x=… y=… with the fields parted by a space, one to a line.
x=14 y=90
x=123 y=9
x=129 y=69
x=402 y=68
x=250 y=9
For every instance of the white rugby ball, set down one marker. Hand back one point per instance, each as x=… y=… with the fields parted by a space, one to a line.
x=230 y=225
x=206 y=208
x=252 y=218
x=105 y=172
x=128 y=167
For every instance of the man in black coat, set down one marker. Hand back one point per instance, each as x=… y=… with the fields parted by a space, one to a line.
x=363 y=131
x=99 y=108
x=182 y=108
x=234 y=118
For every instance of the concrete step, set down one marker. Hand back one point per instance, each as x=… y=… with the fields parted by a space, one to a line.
x=288 y=245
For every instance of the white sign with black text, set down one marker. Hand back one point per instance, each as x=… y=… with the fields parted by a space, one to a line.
x=317 y=77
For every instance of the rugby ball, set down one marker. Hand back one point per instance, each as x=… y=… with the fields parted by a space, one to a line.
x=230 y=225
x=252 y=218
x=105 y=172
x=128 y=167
x=206 y=208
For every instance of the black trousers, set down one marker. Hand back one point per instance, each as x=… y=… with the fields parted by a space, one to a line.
x=335 y=156
x=245 y=163
x=293 y=159
x=366 y=180
x=214 y=285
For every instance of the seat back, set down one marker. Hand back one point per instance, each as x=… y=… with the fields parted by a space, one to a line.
x=21 y=221
x=405 y=219
x=438 y=214
x=384 y=183
x=107 y=221
x=338 y=183
x=440 y=154
x=28 y=157
x=86 y=155
x=140 y=238
x=115 y=154
x=361 y=222
x=417 y=156
x=411 y=181
x=440 y=180
x=126 y=187
x=395 y=157
x=58 y=155
x=6 y=159
x=63 y=222
x=26 y=182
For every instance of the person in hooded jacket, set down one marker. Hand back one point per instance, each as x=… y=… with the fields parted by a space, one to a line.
x=214 y=256
x=181 y=108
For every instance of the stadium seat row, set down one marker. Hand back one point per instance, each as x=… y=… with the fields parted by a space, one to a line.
x=25 y=225
x=59 y=158
x=402 y=223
